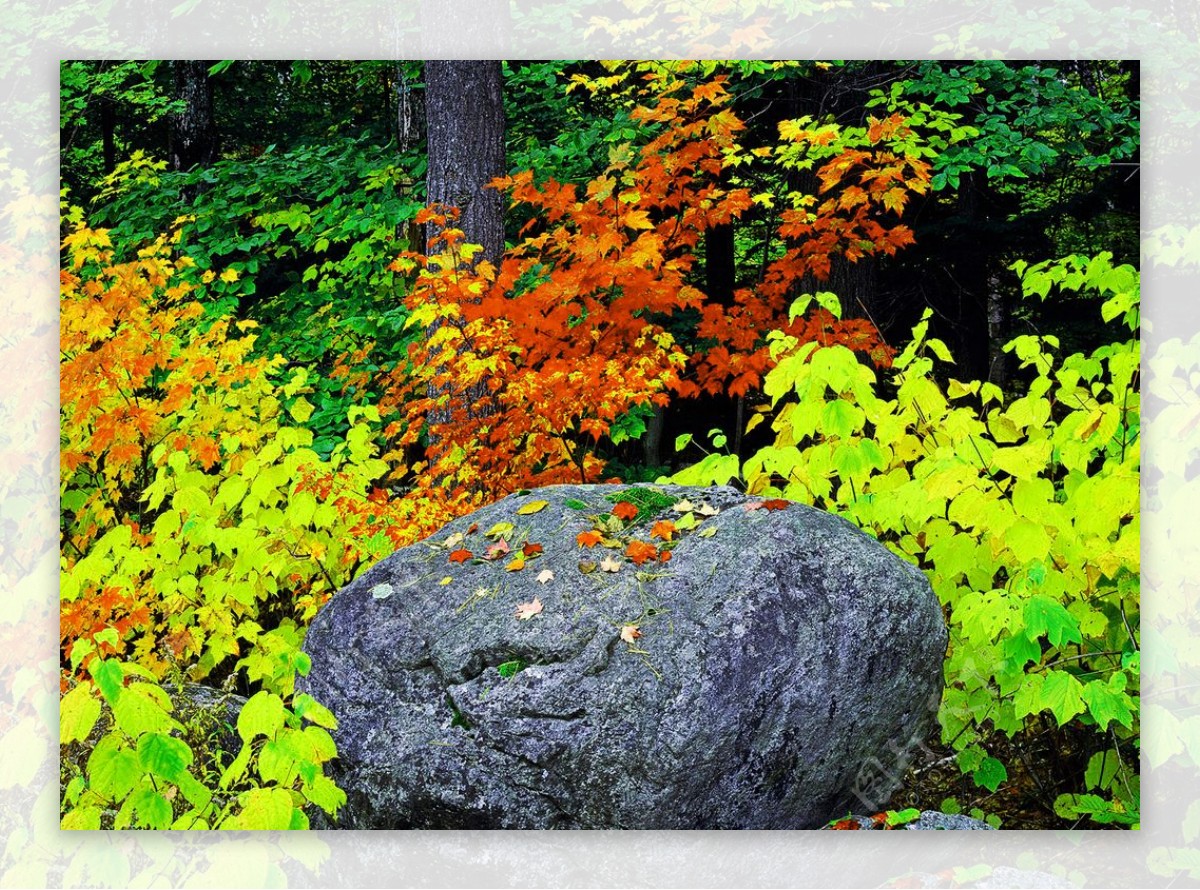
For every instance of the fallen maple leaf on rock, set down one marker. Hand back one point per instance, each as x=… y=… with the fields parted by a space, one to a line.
x=531 y=550
x=640 y=551
x=664 y=529
x=461 y=555
x=525 y=611
x=610 y=564
x=630 y=632
x=545 y=575
x=625 y=510
x=589 y=539
x=495 y=551
x=773 y=504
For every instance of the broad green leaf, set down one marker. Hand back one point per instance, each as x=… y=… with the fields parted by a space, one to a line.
x=164 y=756
x=139 y=711
x=264 y=809
x=1046 y=617
x=305 y=706
x=1027 y=540
x=261 y=715
x=322 y=743
x=237 y=768
x=1101 y=769
x=1061 y=693
x=152 y=809
x=113 y=769
x=1023 y=461
x=81 y=819
x=77 y=714
x=325 y=793
x=109 y=678
x=841 y=418
x=1107 y=704
x=276 y=765
x=990 y=773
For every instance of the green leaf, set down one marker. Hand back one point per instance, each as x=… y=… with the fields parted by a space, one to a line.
x=1101 y=769
x=77 y=714
x=1107 y=704
x=152 y=809
x=164 y=756
x=261 y=715
x=301 y=409
x=109 y=678
x=1046 y=617
x=989 y=774
x=305 y=706
x=138 y=711
x=237 y=768
x=325 y=793
x=276 y=765
x=510 y=669
x=113 y=769
x=81 y=819
x=264 y=809
x=841 y=418
x=902 y=817
x=1027 y=540
x=682 y=442
x=1062 y=694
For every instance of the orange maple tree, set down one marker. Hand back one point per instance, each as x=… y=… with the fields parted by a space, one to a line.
x=528 y=365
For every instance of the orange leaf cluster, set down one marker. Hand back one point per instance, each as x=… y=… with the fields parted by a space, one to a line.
x=526 y=365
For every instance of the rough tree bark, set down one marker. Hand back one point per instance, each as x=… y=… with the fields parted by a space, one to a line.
x=464 y=113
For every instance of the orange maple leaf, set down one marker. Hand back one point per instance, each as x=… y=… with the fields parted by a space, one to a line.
x=461 y=555
x=664 y=529
x=639 y=551
x=625 y=510
x=589 y=538
x=531 y=550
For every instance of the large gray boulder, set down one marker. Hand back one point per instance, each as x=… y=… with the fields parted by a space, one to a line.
x=785 y=666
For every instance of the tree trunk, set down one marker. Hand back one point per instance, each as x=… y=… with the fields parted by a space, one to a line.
x=193 y=132
x=464 y=112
